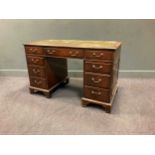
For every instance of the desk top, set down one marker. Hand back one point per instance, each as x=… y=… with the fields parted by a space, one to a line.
x=78 y=44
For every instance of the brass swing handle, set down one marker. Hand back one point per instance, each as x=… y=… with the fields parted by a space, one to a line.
x=96 y=92
x=36 y=71
x=49 y=51
x=96 y=81
x=34 y=60
x=73 y=53
x=97 y=67
x=33 y=50
x=38 y=82
x=97 y=55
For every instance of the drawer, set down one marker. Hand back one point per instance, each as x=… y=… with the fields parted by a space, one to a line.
x=63 y=52
x=101 y=81
x=35 y=60
x=99 y=54
x=36 y=71
x=98 y=67
x=77 y=53
x=98 y=94
x=39 y=83
x=53 y=51
x=34 y=50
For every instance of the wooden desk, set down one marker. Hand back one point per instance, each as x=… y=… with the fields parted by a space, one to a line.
x=47 y=67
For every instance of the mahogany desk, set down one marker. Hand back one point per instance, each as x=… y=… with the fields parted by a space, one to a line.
x=47 y=67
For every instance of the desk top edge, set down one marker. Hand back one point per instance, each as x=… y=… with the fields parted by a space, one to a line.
x=77 y=44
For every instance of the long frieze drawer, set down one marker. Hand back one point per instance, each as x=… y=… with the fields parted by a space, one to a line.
x=35 y=60
x=101 y=81
x=53 y=51
x=39 y=83
x=99 y=54
x=64 y=52
x=98 y=67
x=98 y=94
x=77 y=53
x=37 y=71
x=34 y=50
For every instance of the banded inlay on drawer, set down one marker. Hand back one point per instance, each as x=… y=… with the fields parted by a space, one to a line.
x=35 y=60
x=98 y=94
x=37 y=71
x=98 y=67
x=99 y=54
x=102 y=81
x=34 y=50
x=37 y=82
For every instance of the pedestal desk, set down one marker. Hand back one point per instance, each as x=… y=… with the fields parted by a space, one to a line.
x=47 y=67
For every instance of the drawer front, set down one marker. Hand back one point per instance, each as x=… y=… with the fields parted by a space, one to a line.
x=99 y=54
x=35 y=60
x=53 y=52
x=39 y=83
x=63 y=52
x=101 y=81
x=98 y=67
x=36 y=71
x=34 y=50
x=74 y=53
x=98 y=94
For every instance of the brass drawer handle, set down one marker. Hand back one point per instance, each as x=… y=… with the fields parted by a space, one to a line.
x=73 y=53
x=97 y=55
x=33 y=50
x=97 y=67
x=36 y=71
x=38 y=82
x=96 y=81
x=51 y=51
x=35 y=60
x=96 y=92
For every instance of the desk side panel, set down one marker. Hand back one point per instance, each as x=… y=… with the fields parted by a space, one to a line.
x=56 y=69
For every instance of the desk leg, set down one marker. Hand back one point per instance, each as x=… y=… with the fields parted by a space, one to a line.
x=66 y=81
x=85 y=102
x=35 y=90
x=107 y=109
x=32 y=91
x=48 y=94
